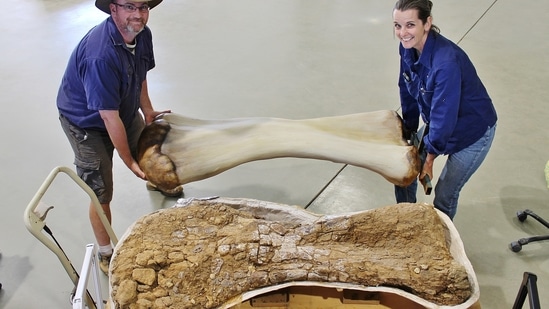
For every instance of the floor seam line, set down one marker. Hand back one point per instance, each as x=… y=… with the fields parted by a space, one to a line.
x=477 y=21
x=325 y=186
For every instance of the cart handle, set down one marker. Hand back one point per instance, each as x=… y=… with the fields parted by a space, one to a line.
x=36 y=211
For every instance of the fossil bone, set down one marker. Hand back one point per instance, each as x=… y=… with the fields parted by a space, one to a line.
x=219 y=252
x=175 y=150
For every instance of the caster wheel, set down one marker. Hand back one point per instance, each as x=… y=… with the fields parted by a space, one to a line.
x=515 y=246
x=521 y=215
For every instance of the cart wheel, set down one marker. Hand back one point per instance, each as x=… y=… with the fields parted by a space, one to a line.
x=515 y=246
x=521 y=215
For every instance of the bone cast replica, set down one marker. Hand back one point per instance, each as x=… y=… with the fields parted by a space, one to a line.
x=221 y=252
x=175 y=150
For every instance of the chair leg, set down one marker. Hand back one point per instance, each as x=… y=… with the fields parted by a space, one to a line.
x=516 y=246
x=527 y=212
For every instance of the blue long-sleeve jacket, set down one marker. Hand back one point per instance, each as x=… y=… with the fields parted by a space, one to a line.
x=443 y=87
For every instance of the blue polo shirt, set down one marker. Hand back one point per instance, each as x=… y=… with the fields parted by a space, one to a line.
x=443 y=87
x=104 y=74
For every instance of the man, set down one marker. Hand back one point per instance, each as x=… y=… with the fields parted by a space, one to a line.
x=101 y=93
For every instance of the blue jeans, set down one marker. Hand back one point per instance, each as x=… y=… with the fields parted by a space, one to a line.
x=459 y=167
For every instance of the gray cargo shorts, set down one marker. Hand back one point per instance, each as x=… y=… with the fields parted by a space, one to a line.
x=93 y=154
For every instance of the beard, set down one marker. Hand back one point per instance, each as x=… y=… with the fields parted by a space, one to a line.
x=133 y=28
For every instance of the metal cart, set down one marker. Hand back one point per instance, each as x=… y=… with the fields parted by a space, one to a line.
x=35 y=221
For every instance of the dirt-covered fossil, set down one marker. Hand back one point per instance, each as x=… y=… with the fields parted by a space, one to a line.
x=215 y=253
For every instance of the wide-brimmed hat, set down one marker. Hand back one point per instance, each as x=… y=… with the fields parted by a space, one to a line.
x=103 y=5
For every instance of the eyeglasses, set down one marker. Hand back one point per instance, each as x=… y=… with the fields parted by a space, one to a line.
x=130 y=8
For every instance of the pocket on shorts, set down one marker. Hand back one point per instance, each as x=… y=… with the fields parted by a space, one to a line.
x=87 y=158
x=87 y=164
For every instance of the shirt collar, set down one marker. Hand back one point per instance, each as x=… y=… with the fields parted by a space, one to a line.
x=425 y=57
x=428 y=49
x=116 y=37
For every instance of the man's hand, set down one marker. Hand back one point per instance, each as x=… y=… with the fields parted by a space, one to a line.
x=151 y=115
x=134 y=167
x=146 y=106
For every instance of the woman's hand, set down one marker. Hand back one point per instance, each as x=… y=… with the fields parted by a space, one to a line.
x=428 y=166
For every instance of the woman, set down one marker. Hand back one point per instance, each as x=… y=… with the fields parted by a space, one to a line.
x=438 y=82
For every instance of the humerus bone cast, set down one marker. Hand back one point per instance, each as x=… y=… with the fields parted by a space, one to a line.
x=175 y=150
x=221 y=252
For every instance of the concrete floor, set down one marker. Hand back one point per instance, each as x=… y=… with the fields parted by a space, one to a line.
x=276 y=58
